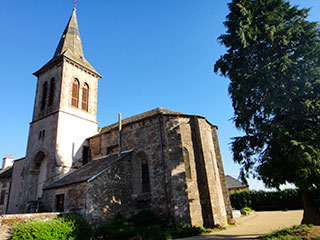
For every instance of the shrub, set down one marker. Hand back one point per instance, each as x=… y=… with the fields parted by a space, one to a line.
x=67 y=227
x=118 y=229
x=147 y=226
x=83 y=230
x=44 y=230
x=247 y=209
x=146 y=218
x=181 y=231
x=153 y=232
x=262 y=200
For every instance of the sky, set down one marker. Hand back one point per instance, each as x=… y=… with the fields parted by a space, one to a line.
x=150 y=53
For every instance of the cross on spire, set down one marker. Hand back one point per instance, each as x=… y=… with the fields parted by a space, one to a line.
x=75 y=4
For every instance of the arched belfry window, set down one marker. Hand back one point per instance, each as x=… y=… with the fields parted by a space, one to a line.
x=85 y=97
x=186 y=162
x=44 y=96
x=75 y=93
x=51 y=92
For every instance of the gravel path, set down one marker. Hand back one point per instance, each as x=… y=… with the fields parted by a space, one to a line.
x=252 y=226
x=4 y=232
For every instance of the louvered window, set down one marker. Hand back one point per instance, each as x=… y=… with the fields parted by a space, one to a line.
x=75 y=93
x=85 y=97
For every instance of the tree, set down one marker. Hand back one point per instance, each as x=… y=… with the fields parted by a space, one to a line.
x=273 y=63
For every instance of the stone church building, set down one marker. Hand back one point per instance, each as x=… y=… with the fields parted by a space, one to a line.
x=161 y=160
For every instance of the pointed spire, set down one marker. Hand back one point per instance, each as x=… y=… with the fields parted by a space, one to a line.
x=70 y=43
x=70 y=39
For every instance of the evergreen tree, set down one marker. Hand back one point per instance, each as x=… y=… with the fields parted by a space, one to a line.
x=273 y=63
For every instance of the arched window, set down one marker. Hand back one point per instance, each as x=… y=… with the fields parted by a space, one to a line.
x=145 y=177
x=186 y=162
x=144 y=170
x=75 y=93
x=85 y=97
x=51 y=92
x=44 y=96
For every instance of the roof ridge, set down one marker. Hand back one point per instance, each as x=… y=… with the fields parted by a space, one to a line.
x=140 y=116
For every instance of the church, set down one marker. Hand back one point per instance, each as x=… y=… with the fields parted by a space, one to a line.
x=165 y=161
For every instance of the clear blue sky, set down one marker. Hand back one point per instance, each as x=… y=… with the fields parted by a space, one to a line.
x=150 y=53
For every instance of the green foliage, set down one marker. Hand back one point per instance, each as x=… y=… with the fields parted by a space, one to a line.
x=182 y=231
x=118 y=229
x=294 y=233
x=153 y=232
x=273 y=63
x=247 y=209
x=147 y=226
x=68 y=227
x=146 y=218
x=262 y=200
x=185 y=231
x=83 y=230
x=43 y=230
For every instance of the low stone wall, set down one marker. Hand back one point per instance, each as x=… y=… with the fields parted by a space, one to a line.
x=7 y=219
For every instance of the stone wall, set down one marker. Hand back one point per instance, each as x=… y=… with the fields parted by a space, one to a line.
x=166 y=140
x=16 y=203
x=222 y=176
x=11 y=218
x=212 y=173
x=4 y=189
x=110 y=193
x=192 y=184
x=74 y=198
x=143 y=136
x=176 y=185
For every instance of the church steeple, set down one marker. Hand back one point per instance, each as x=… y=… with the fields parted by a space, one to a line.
x=64 y=115
x=70 y=39
x=70 y=43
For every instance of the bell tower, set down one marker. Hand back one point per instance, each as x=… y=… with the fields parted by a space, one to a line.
x=64 y=115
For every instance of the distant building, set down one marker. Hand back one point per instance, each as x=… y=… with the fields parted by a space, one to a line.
x=235 y=185
x=5 y=181
x=161 y=160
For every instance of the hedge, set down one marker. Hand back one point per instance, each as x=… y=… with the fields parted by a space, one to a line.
x=263 y=201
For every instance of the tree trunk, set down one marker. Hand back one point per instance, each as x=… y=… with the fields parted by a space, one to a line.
x=311 y=214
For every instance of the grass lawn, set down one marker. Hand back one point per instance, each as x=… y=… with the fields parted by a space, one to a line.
x=301 y=232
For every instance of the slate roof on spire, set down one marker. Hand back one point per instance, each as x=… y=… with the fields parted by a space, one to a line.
x=70 y=44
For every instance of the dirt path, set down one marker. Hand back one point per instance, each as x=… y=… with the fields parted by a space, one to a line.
x=259 y=223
